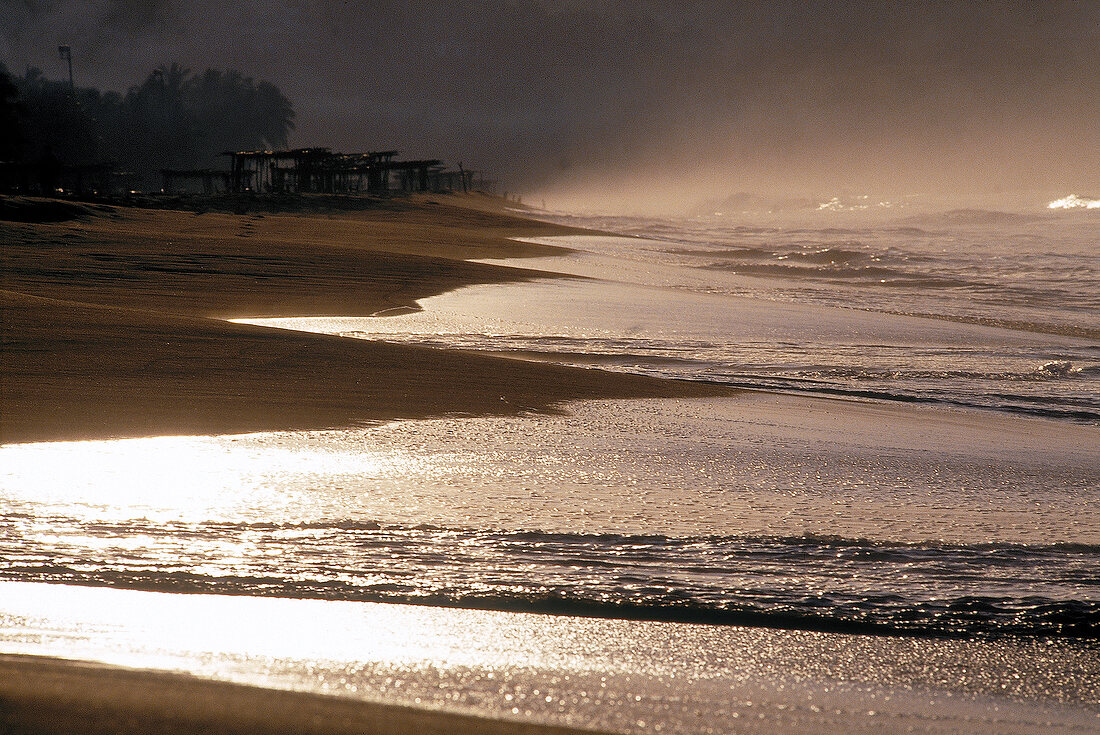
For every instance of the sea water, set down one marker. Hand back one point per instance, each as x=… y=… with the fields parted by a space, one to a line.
x=1036 y=275
x=925 y=463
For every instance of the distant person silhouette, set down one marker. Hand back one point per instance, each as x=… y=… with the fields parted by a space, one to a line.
x=49 y=171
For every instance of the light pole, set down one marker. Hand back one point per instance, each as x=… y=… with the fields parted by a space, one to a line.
x=66 y=54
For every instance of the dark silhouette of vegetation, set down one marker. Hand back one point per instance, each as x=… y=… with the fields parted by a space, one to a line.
x=173 y=120
x=10 y=133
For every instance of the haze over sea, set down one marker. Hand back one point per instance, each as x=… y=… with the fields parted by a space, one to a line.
x=953 y=497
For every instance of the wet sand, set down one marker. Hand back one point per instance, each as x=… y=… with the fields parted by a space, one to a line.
x=402 y=668
x=46 y=696
x=112 y=323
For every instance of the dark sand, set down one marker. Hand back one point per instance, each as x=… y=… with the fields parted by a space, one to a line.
x=44 y=696
x=112 y=322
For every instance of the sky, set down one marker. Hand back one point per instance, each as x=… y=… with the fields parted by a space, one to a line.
x=641 y=105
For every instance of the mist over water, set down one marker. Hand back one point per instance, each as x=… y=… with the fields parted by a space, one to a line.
x=621 y=106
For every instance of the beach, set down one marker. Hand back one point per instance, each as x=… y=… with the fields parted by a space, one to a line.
x=113 y=323
x=111 y=328
x=334 y=666
x=40 y=696
x=587 y=524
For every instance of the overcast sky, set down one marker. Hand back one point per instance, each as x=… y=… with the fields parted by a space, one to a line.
x=640 y=101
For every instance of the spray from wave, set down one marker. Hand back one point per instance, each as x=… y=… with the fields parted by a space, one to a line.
x=1074 y=202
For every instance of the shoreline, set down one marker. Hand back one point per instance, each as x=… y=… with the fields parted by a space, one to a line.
x=143 y=662
x=114 y=323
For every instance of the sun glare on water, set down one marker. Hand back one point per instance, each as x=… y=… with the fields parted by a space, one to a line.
x=178 y=477
x=241 y=638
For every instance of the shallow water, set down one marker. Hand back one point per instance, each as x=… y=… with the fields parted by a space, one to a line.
x=675 y=332
x=1038 y=269
x=763 y=510
x=615 y=675
x=927 y=478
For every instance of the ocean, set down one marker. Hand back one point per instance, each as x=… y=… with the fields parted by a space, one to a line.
x=916 y=453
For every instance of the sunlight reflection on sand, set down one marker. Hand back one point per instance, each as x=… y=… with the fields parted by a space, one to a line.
x=621 y=675
x=757 y=464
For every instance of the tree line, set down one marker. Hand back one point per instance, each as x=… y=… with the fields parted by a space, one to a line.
x=174 y=119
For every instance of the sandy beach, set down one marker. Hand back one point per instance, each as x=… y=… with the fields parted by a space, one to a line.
x=549 y=368
x=112 y=322
x=112 y=326
x=43 y=696
x=115 y=326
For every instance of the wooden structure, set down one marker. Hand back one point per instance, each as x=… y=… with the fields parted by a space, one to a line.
x=441 y=179
x=194 y=181
x=319 y=170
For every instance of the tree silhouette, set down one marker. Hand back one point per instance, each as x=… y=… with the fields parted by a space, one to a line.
x=10 y=112
x=59 y=118
x=232 y=112
x=174 y=119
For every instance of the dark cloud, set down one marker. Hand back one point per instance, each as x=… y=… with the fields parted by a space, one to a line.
x=109 y=38
x=693 y=96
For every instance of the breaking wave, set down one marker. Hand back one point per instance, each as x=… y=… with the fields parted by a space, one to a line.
x=1075 y=202
x=809 y=582
x=840 y=271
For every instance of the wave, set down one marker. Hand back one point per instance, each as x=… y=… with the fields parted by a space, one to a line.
x=820 y=256
x=1059 y=369
x=1073 y=202
x=838 y=271
x=909 y=230
x=809 y=582
x=1066 y=408
x=964 y=617
x=1052 y=371
x=1054 y=387
x=848 y=262
x=973 y=217
x=811 y=543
